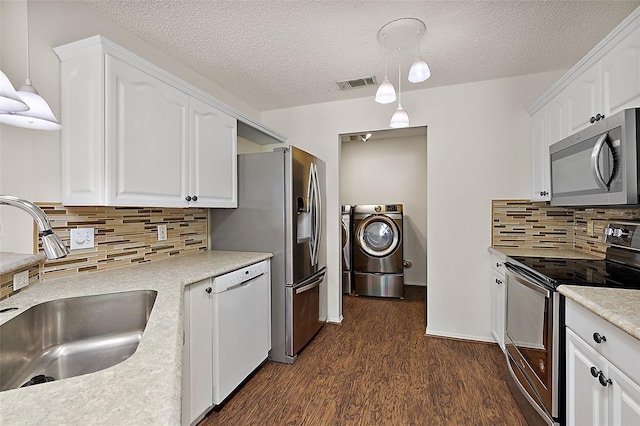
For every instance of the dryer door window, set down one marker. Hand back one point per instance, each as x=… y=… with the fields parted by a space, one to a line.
x=378 y=236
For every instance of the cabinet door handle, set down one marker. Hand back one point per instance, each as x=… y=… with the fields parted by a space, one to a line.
x=498 y=265
x=599 y=338
x=208 y=290
x=498 y=281
x=592 y=120
x=543 y=193
x=194 y=198
x=188 y=198
x=603 y=380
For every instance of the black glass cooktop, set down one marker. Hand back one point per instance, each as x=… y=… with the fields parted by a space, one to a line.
x=595 y=273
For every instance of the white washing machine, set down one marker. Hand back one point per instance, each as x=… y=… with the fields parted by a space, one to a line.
x=377 y=250
x=347 y=276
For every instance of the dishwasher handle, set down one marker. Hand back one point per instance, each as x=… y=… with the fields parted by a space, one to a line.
x=245 y=282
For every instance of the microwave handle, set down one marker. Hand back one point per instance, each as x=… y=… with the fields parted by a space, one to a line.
x=595 y=163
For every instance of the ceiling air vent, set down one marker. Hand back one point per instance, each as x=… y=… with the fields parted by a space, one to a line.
x=358 y=82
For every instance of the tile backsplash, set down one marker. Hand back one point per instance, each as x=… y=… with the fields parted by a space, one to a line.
x=521 y=223
x=123 y=235
x=6 y=280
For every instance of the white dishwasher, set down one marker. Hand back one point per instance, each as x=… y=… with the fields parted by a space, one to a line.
x=241 y=326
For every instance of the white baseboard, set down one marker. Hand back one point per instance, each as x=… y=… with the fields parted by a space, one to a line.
x=459 y=336
x=335 y=321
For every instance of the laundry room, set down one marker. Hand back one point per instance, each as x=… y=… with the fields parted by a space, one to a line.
x=384 y=174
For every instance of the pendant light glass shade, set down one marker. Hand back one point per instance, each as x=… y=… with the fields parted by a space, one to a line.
x=419 y=71
x=39 y=116
x=9 y=99
x=400 y=118
x=386 y=92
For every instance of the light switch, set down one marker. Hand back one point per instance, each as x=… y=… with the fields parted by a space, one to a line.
x=82 y=238
x=162 y=232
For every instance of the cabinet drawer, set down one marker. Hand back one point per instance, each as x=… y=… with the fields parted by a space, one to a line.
x=621 y=349
x=497 y=263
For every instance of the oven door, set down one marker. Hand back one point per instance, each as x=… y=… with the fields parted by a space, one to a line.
x=531 y=339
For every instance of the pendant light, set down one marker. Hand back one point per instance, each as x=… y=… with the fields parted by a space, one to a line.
x=419 y=71
x=39 y=115
x=400 y=34
x=9 y=99
x=386 y=93
x=400 y=118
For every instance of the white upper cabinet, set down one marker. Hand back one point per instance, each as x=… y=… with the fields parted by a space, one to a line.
x=555 y=121
x=135 y=135
x=547 y=127
x=146 y=139
x=603 y=83
x=621 y=75
x=539 y=156
x=583 y=100
x=213 y=176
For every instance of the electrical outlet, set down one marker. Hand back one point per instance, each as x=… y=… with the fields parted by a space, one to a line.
x=162 y=232
x=82 y=238
x=21 y=279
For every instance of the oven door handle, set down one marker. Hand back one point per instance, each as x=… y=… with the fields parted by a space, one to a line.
x=528 y=279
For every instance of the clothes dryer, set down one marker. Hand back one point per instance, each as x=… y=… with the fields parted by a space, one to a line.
x=347 y=276
x=377 y=250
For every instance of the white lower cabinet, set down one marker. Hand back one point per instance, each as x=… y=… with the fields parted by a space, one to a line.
x=197 y=352
x=227 y=326
x=498 y=298
x=602 y=366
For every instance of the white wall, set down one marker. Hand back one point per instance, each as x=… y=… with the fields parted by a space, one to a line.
x=478 y=149
x=391 y=171
x=30 y=159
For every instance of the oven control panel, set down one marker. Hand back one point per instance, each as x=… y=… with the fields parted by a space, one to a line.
x=623 y=234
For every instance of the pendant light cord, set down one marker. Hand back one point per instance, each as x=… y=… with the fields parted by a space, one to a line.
x=399 y=80
x=385 y=56
x=28 y=53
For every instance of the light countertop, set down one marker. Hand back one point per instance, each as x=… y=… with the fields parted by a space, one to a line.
x=13 y=261
x=621 y=307
x=539 y=252
x=147 y=387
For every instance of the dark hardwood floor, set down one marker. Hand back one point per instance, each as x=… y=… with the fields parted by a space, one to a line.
x=378 y=368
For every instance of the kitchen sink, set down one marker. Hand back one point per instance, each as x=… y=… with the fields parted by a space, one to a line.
x=70 y=337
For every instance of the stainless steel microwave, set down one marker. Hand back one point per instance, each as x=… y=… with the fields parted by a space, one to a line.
x=598 y=166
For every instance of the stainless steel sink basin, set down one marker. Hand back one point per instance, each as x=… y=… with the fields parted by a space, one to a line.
x=70 y=337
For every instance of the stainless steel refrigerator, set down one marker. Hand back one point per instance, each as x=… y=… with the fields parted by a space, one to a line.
x=281 y=199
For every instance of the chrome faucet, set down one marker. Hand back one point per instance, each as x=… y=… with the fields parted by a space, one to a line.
x=54 y=248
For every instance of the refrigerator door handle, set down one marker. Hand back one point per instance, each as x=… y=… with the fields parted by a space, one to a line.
x=318 y=215
x=313 y=211
x=308 y=286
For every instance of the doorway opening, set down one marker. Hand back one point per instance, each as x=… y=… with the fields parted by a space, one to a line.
x=387 y=167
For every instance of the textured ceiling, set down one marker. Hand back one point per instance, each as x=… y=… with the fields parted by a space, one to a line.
x=278 y=54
